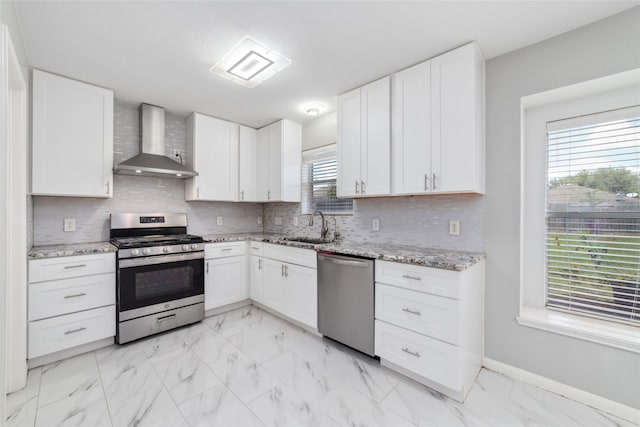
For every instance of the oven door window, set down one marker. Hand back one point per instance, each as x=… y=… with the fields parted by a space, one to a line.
x=147 y=285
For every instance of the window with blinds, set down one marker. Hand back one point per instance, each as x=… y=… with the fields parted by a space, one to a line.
x=593 y=215
x=319 y=175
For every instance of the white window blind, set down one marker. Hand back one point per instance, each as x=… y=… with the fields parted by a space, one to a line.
x=319 y=175
x=593 y=215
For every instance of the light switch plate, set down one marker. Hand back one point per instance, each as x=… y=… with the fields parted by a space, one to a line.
x=69 y=224
x=277 y=220
x=454 y=227
x=375 y=225
x=219 y=220
x=259 y=219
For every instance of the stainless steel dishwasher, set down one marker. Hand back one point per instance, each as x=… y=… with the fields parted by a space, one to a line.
x=346 y=300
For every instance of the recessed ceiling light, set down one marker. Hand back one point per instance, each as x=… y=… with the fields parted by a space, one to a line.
x=313 y=109
x=250 y=63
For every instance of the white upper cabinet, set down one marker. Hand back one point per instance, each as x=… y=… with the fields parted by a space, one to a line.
x=212 y=151
x=72 y=153
x=247 y=173
x=364 y=120
x=438 y=131
x=279 y=162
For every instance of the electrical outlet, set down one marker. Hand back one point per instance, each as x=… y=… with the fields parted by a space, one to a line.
x=375 y=225
x=295 y=221
x=219 y=220
x=69 y=224
x=175 y=153
x=277 y=220
x=259 y=219
x=454 y=227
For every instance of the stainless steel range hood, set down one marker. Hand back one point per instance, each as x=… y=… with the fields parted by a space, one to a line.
x=152 y=160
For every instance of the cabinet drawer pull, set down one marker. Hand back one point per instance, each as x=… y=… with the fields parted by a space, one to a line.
x=407 y=276
x=73 y=331
x=162 y=319
x=357 y=188
x=227 y=249
x=81 y=294
x=414 y=354
x=74 y=266
x=408 y=310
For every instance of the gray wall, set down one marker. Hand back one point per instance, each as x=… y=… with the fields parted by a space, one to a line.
x=599 y=49
x=137 y=194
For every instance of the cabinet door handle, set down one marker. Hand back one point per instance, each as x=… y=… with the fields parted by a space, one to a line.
x=207 y=267
x=406 y=276
x=362 y=188
x=67 y=267
x=163 y=318
x=108 y=186
x=286 y=271
x=259 y=264
x=73 y=331
x=415 y=354
x=81 y=294
x=426 y=182
x=408 y=310
x=197 y=192
x=433 y=182
x=357 y=188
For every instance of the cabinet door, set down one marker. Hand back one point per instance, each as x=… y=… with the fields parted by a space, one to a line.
x=275 y=290
x=412 y=130
x=262 y=165
x=247 y=160
x=225 y=281
x=291 y=161
x=72 y=138
x=215 y=158
x=302 y=286
x=256 y=279
x=375 y=148
x=349 y=135
x=456 y=142
x=275 y=162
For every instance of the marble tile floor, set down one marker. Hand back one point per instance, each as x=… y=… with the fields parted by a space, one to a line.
x=249 y=368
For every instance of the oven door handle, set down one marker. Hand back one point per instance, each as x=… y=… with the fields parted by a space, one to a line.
x=162 y=259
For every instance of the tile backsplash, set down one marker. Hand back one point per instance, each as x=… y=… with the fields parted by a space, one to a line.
x=418 y=221
x=137 y=194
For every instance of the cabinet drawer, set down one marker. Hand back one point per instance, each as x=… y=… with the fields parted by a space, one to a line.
x=48 y=299
x=256 y=248
x=426 y=314
x=304 y=257
x=222 y=250
x=41 y=270
x=62 y=332
x=435 y=281
x=432 y=359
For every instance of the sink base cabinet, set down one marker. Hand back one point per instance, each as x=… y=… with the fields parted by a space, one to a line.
x=431 y=327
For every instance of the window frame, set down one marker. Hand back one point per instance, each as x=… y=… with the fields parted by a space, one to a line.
x=317 y=154
x=608 y=93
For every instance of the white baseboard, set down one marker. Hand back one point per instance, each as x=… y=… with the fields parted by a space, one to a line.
x=590 y=399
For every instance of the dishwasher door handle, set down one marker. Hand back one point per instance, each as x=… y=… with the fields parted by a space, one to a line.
x=350 y=263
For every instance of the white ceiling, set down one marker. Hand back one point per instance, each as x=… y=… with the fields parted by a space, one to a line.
x=161 y=52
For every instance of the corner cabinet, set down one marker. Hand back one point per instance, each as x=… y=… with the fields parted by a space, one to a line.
x=72 y=137
x=438 y=125
x=279 y=162
x=212 y=151
x=364 y=141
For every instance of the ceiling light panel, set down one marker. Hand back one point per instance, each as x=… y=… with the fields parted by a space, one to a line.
x=250 y=63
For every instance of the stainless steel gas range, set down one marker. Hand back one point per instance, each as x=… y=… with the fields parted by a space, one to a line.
x=160 y=274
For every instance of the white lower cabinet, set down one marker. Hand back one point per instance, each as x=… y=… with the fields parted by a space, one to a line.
x=288 y=287
x=429 y=324
x=225 y=279
x=71 y=302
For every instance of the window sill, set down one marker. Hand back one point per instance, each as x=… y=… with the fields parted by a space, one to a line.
x=330 y=213
x=624 y=337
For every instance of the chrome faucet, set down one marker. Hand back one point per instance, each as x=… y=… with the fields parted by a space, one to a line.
x=325 y=227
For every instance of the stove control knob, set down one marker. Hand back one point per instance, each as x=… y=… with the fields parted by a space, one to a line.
x=185 y=247
x=135 y=252
x=146 y=251
x=194 y=246
x=166 y=249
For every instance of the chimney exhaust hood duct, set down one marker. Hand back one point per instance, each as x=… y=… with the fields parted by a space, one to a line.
x=152 y=160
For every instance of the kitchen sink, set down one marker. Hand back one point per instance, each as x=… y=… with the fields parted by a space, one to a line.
x=312 y=240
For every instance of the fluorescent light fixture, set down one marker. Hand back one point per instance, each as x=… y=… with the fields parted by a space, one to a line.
x=313 y=109
x=250 y=63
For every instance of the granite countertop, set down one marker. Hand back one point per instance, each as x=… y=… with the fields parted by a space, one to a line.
x=428 y=257
x=53 y=251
